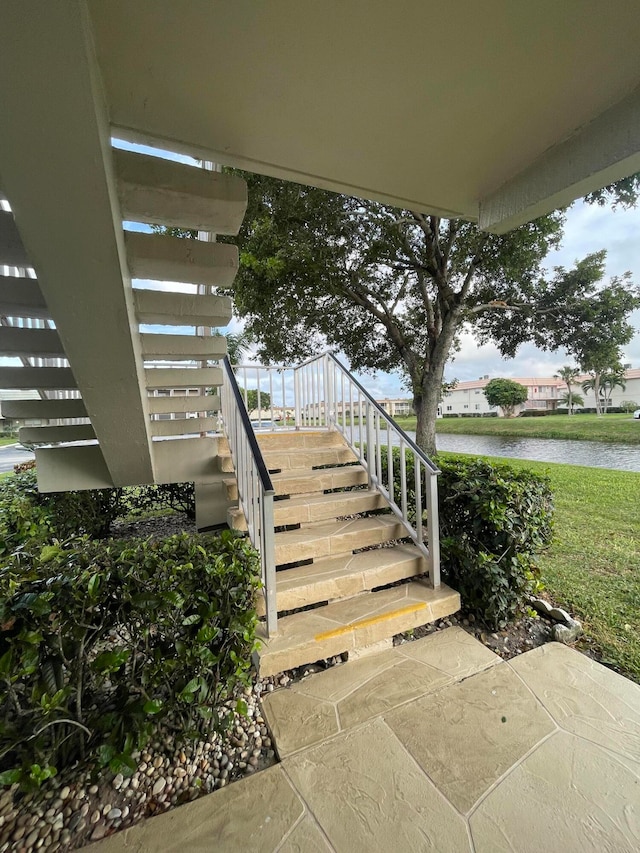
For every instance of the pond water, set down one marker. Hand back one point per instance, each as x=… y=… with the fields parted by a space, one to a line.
x=595 y=454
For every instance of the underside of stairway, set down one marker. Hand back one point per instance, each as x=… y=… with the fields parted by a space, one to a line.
x=347 y=575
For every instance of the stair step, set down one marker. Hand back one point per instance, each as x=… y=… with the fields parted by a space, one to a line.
x=315 y=508
x=344 y=626
x=311 y=457
x=348 y=575
x=298 y=439
x=307 y=480
x=329 y=538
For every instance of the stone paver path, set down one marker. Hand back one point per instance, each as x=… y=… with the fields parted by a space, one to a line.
x=436 y=745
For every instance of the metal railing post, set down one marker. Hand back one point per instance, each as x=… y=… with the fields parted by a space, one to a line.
x=433 y=529
x=296 y=396
x=268 y=538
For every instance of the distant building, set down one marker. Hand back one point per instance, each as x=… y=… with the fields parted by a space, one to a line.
x=467 y=398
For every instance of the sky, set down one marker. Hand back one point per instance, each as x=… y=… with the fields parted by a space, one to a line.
x=588 y=228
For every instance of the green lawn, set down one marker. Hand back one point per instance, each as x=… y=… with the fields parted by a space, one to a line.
x=622 y=428
x=4 y=441
x=593 y=566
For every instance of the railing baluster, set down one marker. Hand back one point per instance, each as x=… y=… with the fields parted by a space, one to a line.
x=390 y=462
x=418 y=487
x=403 y=479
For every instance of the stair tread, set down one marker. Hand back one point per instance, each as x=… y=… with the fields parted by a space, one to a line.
x=346 y=564
x=352 y=623
x=325 y=529
x=317 y=507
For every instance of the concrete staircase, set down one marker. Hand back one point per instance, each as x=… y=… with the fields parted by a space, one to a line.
x=340 y=554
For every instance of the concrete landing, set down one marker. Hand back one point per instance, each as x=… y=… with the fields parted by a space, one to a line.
x=436 y=745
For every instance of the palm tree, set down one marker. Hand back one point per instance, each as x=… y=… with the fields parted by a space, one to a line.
x=602 y=384
x=237 y=346
x=571 y=401
x=608 y=383
x=568 y=375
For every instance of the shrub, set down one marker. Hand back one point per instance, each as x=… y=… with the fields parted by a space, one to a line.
x=140 y=500
x=534 y=413
x=493 y=520
x=100 y=642
x=27 y=514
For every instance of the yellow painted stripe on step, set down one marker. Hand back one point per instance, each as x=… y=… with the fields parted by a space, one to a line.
x=337 y=632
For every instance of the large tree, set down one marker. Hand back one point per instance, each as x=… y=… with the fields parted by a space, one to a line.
x=391 y=288
x=507 y=394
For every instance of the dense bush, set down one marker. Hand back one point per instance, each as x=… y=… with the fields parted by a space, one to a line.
x=26 y=514
x=493 y=521
x=180 y=497
x=534 y=413
x=100 y=641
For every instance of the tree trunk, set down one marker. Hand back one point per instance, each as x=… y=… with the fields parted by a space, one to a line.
x=425 y=402
x=596 y=391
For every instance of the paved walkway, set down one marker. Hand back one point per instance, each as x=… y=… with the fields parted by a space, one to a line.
x=433 y=745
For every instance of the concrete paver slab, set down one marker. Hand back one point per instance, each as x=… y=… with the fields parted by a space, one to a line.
x=453 y=651
x=339 y=681
x=368 y=795
x=306 y=838
x=467 y=736
x=405 y=681
x=568 y=795
x=254 y=814
x=584 y=697
x=297 y=721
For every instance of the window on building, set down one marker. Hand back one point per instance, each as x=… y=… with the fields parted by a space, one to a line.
x=449 y=408
x=477 y=406
x=466 y=406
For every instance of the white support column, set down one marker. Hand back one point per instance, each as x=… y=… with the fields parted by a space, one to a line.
x=57 y=173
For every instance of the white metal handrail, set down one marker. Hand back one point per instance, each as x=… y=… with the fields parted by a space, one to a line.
x=321 y=393
x=255 y=489
x=328 y=395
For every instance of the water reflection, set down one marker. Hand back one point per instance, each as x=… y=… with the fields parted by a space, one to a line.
x=595 y=454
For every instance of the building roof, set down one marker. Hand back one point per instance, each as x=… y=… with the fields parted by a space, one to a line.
x=632 y=373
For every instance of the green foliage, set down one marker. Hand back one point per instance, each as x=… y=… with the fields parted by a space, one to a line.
x=142 y=500
x=629 y=406
x=100 y=642
x=505 y=393
x=26 y=514
x=250 y=396
x=493 y=521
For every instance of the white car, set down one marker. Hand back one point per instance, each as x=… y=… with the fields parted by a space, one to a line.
x=636 y=415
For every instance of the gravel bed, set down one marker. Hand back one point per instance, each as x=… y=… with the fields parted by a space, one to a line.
x=156 y=528
x=82 y=805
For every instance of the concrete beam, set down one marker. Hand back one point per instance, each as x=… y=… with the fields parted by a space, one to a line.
x=57 y=172
x=175 y=377
x=608 y=147
x=43 y=409
x=180 y=403
x=188 y=460
x=162 y=308
x=71 y=467
x=184 y=426
x=162 y=258
x=82 y=466
x=41 y=343
x=12 y=251
x=50 y=434
x=183 y=347
x=22 y=297
x=162 y=192
x=25 y=378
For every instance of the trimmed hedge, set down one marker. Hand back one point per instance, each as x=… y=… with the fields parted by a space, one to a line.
x=100 y=642
x=494 y=519
x=26 y=514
